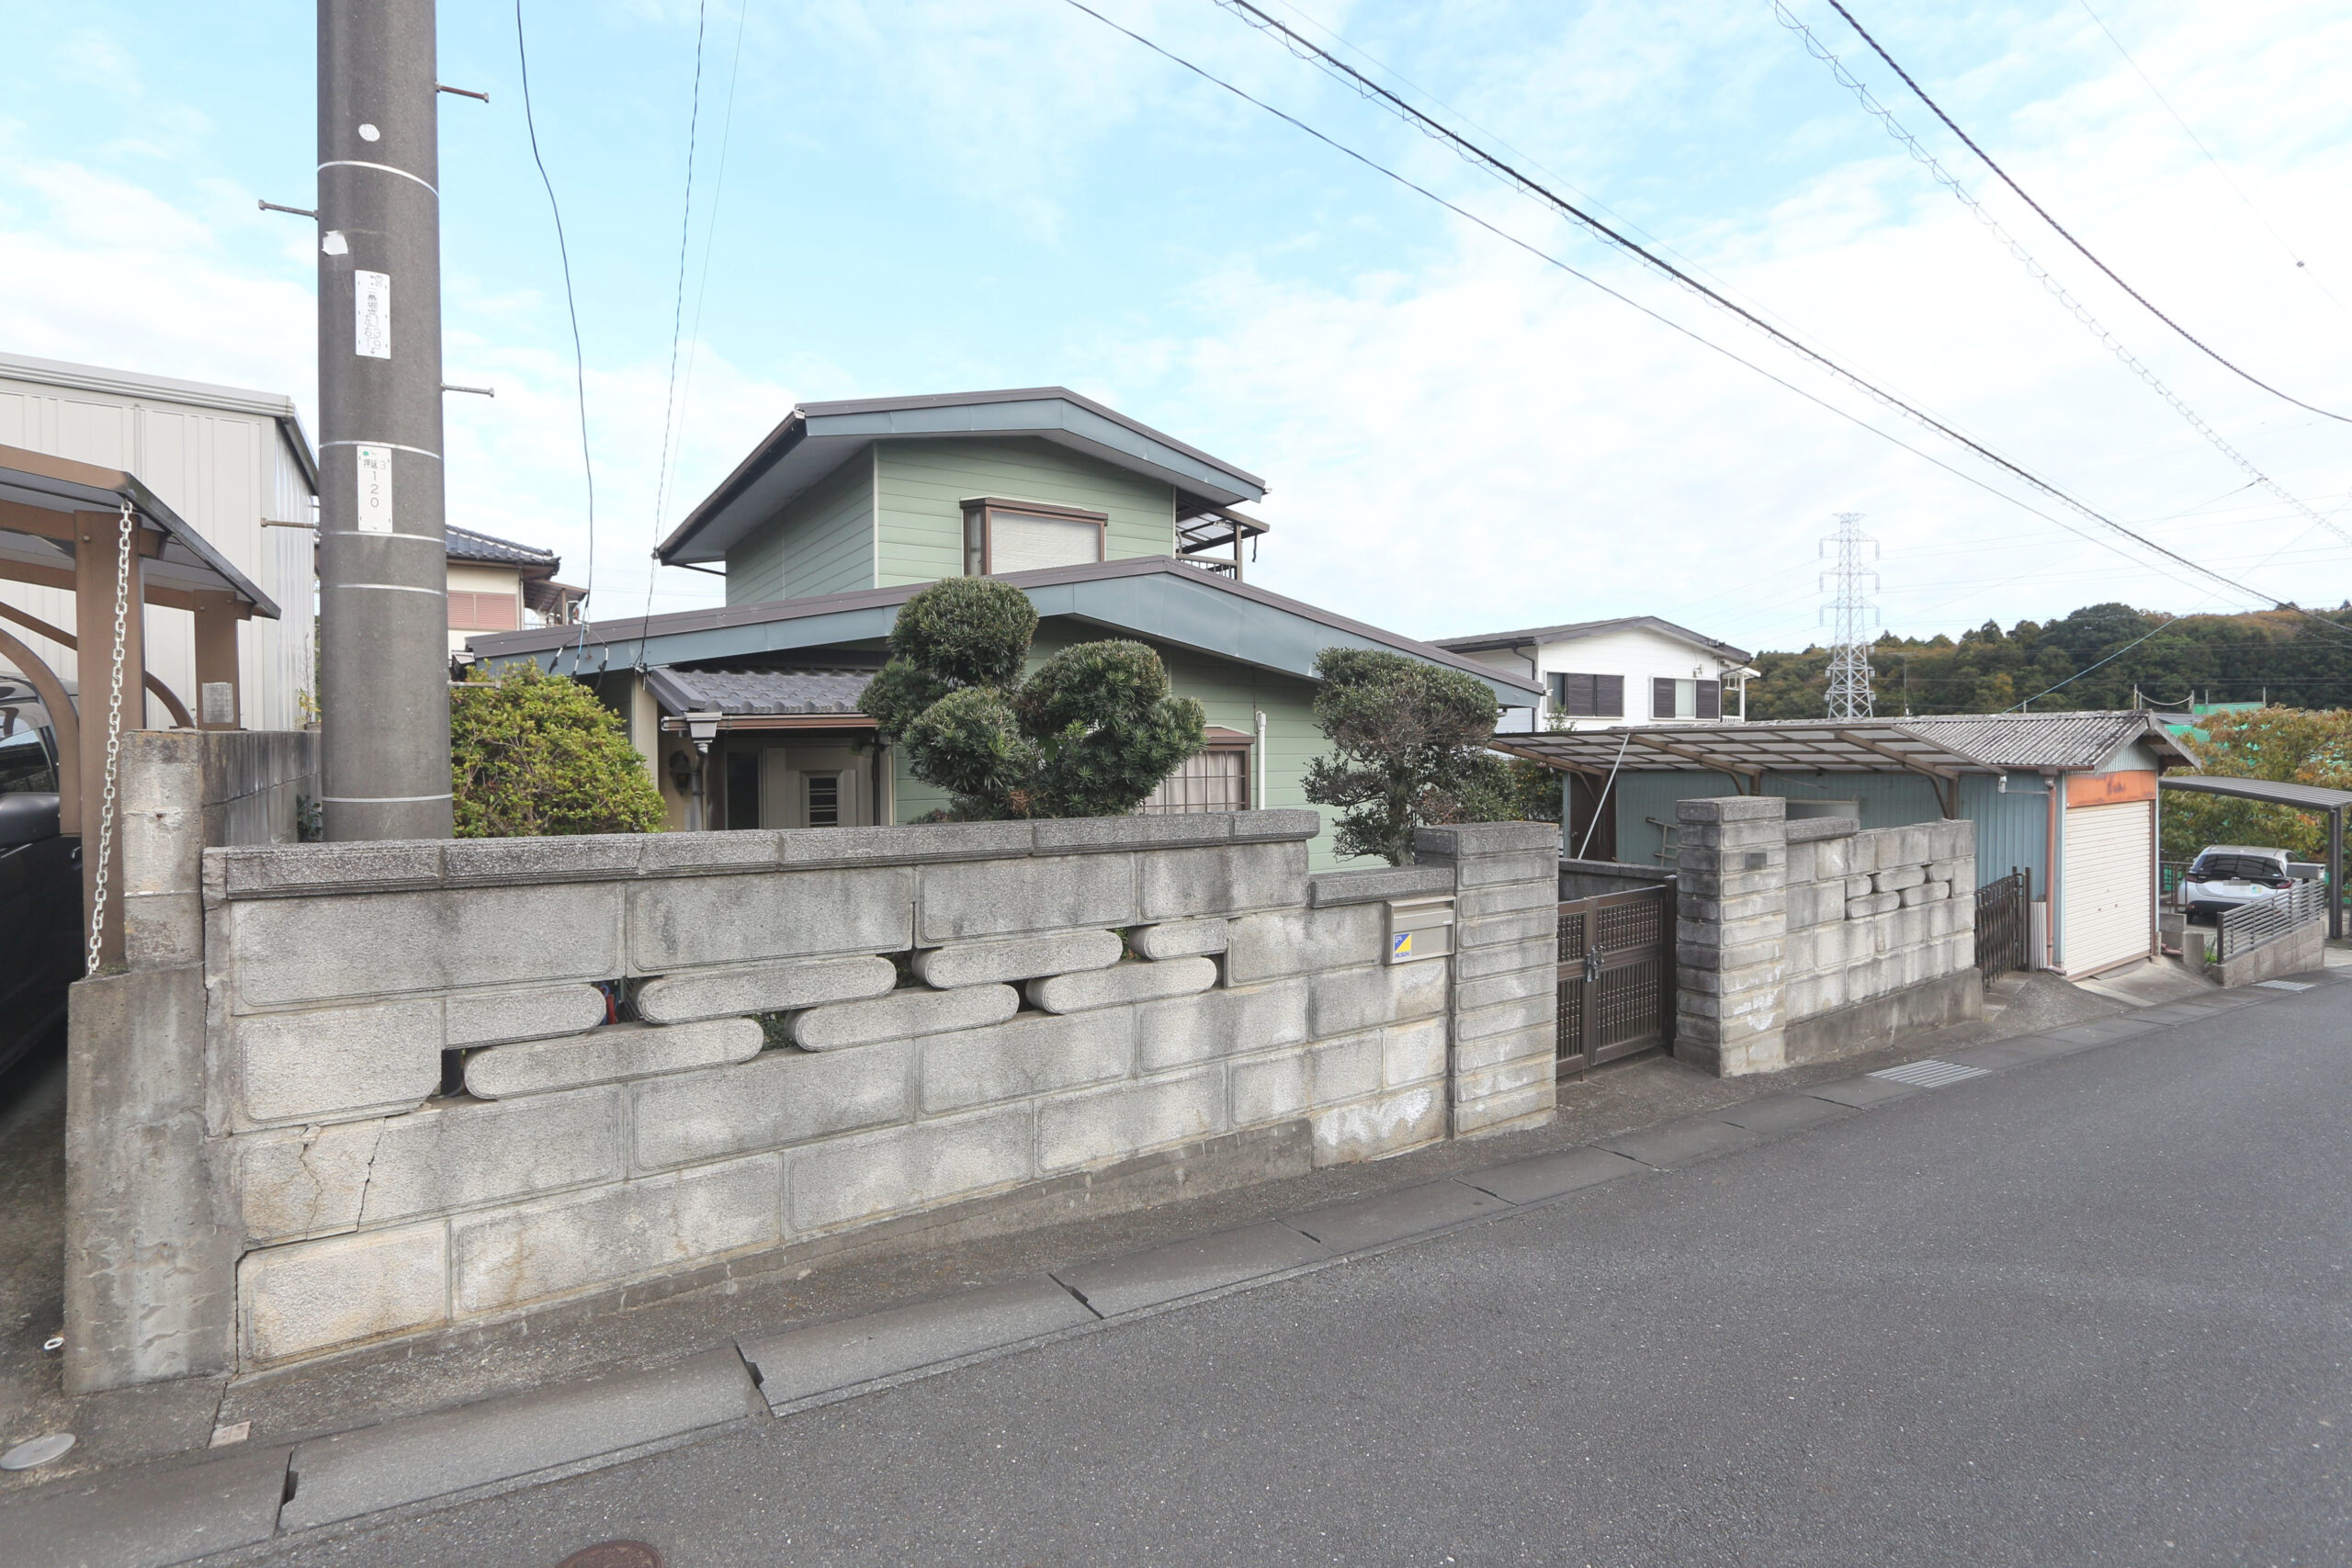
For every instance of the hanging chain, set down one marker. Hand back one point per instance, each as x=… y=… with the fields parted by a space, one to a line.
x=114 y=738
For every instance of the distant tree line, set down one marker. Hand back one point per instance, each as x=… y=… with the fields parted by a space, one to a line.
x=2095 y=657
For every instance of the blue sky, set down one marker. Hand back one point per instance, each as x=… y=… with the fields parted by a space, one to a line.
x=924 y=197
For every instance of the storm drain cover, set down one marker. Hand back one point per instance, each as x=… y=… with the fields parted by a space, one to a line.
x=37 y=1450
x=613 y=1555
x=2284 y=984
x=1928 y=1073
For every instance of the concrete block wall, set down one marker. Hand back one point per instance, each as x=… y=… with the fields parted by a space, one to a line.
x=1800 y=941
x=1873 y=913
x=411 y=1114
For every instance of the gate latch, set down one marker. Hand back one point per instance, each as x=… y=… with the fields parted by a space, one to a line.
x=1593 y=965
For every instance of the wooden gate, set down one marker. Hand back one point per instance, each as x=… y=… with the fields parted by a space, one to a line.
x=1616 y=976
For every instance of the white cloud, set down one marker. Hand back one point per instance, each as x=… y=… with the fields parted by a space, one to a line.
x=1489 y=443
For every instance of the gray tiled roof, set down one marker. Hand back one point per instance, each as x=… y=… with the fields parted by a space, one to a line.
x=740 y=692
x=467 y=545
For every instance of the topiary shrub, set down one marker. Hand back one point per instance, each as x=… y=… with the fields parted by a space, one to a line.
x=1090 y=733
x=533 y=753
x=1407 y=751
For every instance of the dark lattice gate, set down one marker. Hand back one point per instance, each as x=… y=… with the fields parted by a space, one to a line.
x=1616 y=976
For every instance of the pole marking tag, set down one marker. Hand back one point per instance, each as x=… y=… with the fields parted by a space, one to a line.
x=371 y=304
x=375 y=466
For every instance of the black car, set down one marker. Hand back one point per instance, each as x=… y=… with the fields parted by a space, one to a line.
x=40 y=877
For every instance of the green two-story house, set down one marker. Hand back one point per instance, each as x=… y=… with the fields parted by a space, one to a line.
x=749 y=713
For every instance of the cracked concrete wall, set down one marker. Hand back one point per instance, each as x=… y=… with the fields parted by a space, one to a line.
x=152 y=1235
x=422 y=1117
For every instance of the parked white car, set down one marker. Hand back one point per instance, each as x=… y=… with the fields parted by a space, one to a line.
x=2223 y=876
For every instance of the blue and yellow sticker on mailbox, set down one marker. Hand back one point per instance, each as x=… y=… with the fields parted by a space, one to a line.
x=1401 y=945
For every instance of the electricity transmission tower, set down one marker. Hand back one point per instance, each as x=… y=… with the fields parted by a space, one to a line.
x=1854 y=617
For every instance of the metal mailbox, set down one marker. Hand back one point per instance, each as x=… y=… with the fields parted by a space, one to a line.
x=1419 y=928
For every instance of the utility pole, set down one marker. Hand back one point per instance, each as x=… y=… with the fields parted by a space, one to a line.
x=1853 y=616
x=383 y=574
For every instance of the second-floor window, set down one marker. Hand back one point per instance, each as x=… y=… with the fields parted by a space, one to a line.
x=1588 y=696
x=482 y=612
x=1017 y=535
x=1686 y=699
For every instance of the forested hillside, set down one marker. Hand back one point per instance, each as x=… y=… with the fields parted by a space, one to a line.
x=2094 y=658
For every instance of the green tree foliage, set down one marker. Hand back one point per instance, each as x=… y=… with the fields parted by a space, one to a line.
x=2288 y=745
x=1407 y=749
x=1090 y=732
x=532 y=754
x=2093 y=659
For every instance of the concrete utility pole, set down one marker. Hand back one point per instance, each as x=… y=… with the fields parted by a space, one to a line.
x=383 y=578
x=1848 y=584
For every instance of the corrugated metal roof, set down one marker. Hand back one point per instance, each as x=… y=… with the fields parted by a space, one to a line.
x=465 y=544
x=745 y=693
x=2065 y=743
x=2037 y=740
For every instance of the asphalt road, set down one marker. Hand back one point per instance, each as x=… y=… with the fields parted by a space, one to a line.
x=2091 y=1311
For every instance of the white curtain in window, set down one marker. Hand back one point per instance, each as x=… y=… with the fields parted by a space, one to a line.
x=1021 y=543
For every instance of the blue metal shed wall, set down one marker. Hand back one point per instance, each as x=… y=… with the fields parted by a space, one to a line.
x=2011 y=828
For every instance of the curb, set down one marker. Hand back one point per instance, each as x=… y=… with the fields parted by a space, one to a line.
x=257 y=1497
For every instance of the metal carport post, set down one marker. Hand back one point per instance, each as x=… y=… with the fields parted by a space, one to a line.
x=2298 y=797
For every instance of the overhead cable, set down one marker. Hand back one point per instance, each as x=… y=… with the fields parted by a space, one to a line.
x=1471 y=152
x=571 y=303
x=2057 y=290
x=2219 y=167
x=1937 y=109
x=677 y=315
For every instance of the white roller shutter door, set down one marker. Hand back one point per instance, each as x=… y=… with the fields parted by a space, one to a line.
x=2106 y=901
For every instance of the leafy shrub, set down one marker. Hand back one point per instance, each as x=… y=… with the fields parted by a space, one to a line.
x=1407 y=751
x=1090 y=733
x=532 y=754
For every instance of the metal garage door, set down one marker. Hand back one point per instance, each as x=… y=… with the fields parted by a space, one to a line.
x=2106 y=901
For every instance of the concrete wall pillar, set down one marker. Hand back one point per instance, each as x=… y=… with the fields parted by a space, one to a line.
x=1730 y=1006
x=151 y=1256
x=1502 y=1001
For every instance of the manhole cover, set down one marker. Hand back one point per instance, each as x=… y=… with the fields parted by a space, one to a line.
x=613 y=1555
x=40 y=1450
x=1928 y=1073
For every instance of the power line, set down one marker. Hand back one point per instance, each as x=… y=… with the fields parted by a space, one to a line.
x=1821 y=51
x=677 y=309
x=571 y=303
x=2043 y=214
x=710 y=224
x=1471 y=152
x=2219 y=167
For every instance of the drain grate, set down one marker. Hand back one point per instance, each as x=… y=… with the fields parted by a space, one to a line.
x=1928 y=1073
x=2284 y=984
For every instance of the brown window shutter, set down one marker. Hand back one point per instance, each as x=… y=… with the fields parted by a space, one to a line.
x=1711 y=699
x=1662 y=697
x=1580 y=703
x=1609 y=691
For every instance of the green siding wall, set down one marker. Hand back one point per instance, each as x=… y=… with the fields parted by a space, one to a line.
x=1231 y=693
x=921 y=484
x=823 y=543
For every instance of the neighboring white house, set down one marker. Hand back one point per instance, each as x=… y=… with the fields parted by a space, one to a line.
x=234 y=464
x=1636 y=669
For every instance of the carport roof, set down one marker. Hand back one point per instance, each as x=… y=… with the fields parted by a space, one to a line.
x=2275 y=792
x=39 y=495
x=1992 y=743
